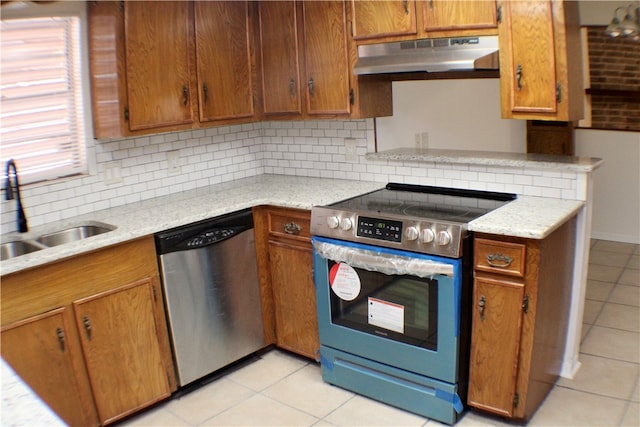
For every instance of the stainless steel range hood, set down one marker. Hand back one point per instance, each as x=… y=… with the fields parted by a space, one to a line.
x=430 y=55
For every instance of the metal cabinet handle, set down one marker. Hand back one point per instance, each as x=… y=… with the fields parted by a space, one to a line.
x=292 y=228
x=292 y=87
x=431 y=5
x=311 y=86
x=499 y=260
x=87 y=326
x=185 y=95
x=205 y=91
x=519 y=77
x=481 y=304
x=60 y=335
x=405 y=3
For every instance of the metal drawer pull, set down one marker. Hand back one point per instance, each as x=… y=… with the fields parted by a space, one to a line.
x=292 y=228
x=481 y=305
x=519 y=77
x=499 y=260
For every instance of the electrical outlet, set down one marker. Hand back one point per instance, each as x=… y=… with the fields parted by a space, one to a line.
x=173 y=162
x=350 y=154
x=112 y=173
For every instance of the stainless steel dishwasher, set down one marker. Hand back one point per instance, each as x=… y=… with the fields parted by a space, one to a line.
x=210 y=279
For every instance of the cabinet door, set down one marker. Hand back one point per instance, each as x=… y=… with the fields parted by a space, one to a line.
x=495 y=345
x=119 y=338
x=157 y=47
x=279 y=47
x=326 y=57
x=455 y=14
x=376 y=19
x=223 y=60
x=531 y=69
x=294 y=298
x=41 y=351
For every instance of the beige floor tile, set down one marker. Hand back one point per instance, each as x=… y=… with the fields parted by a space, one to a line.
x=619 y=247
x=634 y=262
x=306 y=391
x=607 y=377
x=604 y=273
x=612 y=343
x=625 y=317
x=271 y=368
x=591 y=311
x=159 y=416
x=260 y=410
x=361 y=411
x=630 y=277
x=632 y=416
x=478 y=419
x=599 y=291
x=625 y=294
x=585 y=331
x=565 y=407
x=612 y=259
x=209 y=400
x=635 y=396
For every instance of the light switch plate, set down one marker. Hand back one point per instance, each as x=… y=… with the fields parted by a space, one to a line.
x=350 y=154
x=173 y=162
x=112 y=173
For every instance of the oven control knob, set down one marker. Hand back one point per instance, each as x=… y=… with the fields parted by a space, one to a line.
x=345 y=224
x=333 y=221
x=444 y=238
x=427 y=235
x=411 y=233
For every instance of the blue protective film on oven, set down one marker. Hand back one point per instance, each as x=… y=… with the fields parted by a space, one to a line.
x=326 y=363
x=452 y=398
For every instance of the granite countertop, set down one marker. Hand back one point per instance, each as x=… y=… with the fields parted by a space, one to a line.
x=529 y=217
x=485 y=158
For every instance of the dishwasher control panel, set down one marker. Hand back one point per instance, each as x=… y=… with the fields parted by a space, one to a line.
x=209 y=237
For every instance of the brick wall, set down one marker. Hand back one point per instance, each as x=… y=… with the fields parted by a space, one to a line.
x=615 y=81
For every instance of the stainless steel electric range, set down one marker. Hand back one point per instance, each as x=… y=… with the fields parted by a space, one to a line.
x=393 y=279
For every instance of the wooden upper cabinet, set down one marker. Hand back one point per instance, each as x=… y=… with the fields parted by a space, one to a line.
x=223 y=59
x=540 y=60
x=446 y=15
x=326 y=57
x=279 y=50
x=376 y=19
x=157 y=45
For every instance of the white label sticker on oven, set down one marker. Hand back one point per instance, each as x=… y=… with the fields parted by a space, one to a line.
x=344 y=281
x=386 y=315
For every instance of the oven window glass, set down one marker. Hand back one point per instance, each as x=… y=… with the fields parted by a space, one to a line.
x=401 y=308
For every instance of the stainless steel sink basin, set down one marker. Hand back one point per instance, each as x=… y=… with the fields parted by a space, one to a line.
x=18 y=247
x=73 y=234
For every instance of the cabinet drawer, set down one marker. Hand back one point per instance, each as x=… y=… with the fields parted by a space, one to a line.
x=290 y=223
x=500 y=257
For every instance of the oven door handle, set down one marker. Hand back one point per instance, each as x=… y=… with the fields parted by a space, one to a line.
x=383 y=262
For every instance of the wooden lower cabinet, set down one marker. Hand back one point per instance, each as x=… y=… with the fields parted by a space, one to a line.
x=285 y=259
x=89 y=334
x=521 y=298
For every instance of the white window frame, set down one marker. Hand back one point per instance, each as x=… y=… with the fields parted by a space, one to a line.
x=22 y=10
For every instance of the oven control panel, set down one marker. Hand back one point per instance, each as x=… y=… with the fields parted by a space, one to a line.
x=435 y=238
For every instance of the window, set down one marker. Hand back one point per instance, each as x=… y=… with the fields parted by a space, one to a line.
x=42 y=124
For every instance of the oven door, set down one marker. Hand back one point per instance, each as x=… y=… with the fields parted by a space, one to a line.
x=394 y=307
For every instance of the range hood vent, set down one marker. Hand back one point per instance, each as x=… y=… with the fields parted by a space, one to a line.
x=429 y=55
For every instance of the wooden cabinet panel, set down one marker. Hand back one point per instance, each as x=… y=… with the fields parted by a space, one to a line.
x=375 y=19
x=294 y=298
x=326 y=57
x=500 y=257
x=119 y=337
x=41 y=350
x=157 y=45
x=223 y=60
x=290 y=224
x=495 y=345
x=443 y=15
x=280 y=57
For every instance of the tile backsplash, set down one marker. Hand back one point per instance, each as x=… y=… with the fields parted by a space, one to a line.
x=216 y=155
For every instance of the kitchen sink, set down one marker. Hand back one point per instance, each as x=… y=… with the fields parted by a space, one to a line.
x=73 y=234
x=17 y=248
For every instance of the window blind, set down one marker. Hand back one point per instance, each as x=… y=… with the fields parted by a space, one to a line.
x=41 y=114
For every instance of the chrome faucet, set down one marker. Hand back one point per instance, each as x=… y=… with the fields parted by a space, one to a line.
x=22 y=219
